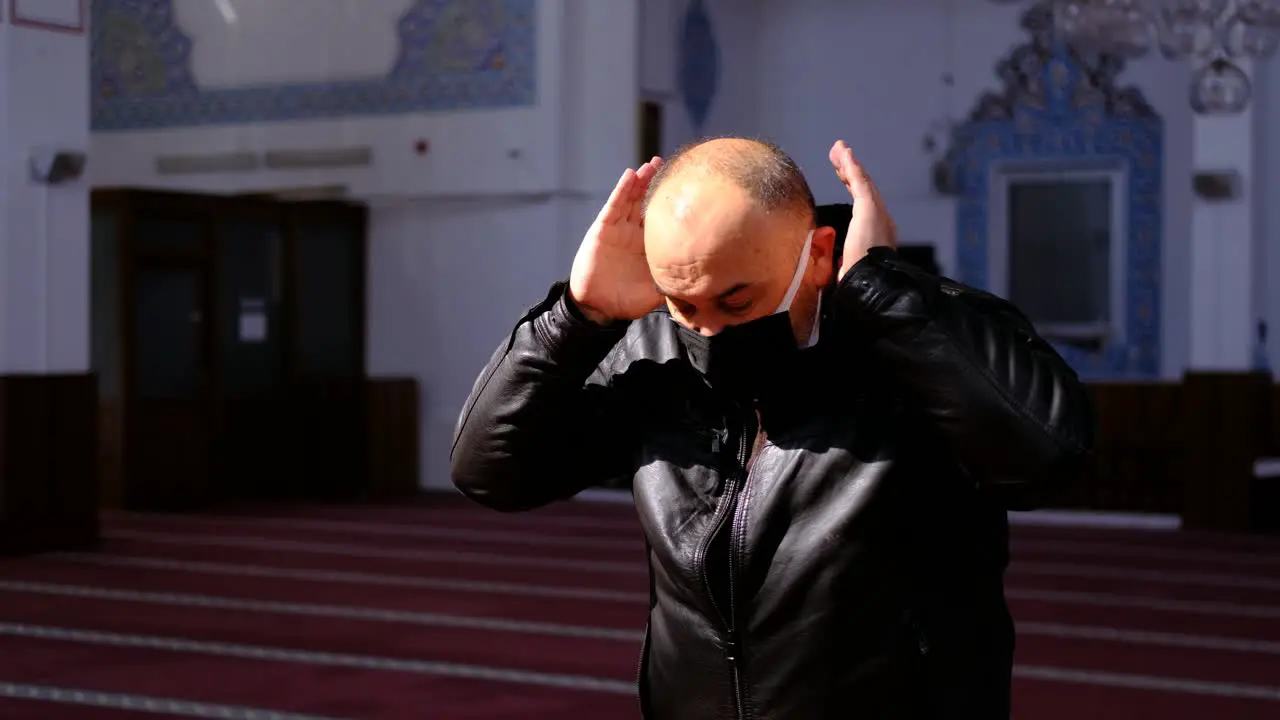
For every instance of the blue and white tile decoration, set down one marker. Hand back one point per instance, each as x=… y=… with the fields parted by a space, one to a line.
x=699 y=64
x=1059 y=109
x=453 y=55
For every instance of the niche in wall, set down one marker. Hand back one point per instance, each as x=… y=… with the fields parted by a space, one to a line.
x=1063 y=134
x=650 y=141
x=453 y=55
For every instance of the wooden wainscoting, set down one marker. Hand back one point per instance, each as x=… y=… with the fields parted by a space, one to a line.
x=1181 y=448
x=1266 y=490
x=48 y=462
x=395 y=412
x=1273 y=444
x=1231 y=413
x=320 y=440
x=1139 y=451
x=111 y=484
x=329 y=448
x=252 y=439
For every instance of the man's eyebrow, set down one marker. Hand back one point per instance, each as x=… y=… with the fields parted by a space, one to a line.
x=727 y=293
x=733 y=290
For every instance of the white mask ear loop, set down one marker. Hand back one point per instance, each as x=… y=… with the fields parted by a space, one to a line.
x=817 y=320
x=787 y=299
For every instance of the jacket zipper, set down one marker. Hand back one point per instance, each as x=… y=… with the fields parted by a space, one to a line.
x=734 y=640
x=730 y=510
x=722 y=512
x=640 y=668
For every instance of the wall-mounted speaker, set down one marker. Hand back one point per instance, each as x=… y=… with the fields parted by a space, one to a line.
x=54 y=166
x=1217 y=185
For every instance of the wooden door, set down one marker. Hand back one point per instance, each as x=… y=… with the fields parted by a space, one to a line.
x=326 y=300
x=167 y=448
x=166 y=314
x=106 y=347
x=241 y=348
x=251 y=455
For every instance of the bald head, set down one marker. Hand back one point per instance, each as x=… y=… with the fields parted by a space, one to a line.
x=762 y=170
x=725 y=224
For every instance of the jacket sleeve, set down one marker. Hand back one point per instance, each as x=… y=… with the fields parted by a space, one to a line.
x=539 y=424
x=1013 y=412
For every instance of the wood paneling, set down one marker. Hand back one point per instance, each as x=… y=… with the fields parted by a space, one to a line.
x=168 y=458
x=1266 y=490
x=1273 y=443
x=110 y=453
x=395 y=407
x=250 y=457
x=1182 y=448
x=321 y=441
x=1139 y=451
x=1231 y=415
x=48 y=462
x=330 y=441
x=279 y=418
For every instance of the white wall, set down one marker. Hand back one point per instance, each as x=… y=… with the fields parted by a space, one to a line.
x=804 y=73
x=468 y=236
x=44 y=230
x=507 y=150
x=737 y=26
x=450 y=276
x=1268 y=236
x=462 y=239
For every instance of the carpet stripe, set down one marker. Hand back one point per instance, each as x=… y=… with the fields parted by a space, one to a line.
x=1148 y=682
x=1218 y=609
x=1143 y=637
x=330 y=611
x=339 y=550
x=144 y=703
x=362 y=662
x=1217 y=580
x=573 y=682
x=1083 y=632
x=553 y=563
x=1190 y=607
x=1111 y=551
x=532 y=539
x=1138 y=541
x=353 y=578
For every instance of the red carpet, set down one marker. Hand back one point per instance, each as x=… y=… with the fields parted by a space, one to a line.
x=439 y=610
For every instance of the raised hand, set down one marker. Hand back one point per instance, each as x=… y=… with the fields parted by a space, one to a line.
x=610 y=280
x=871 y=226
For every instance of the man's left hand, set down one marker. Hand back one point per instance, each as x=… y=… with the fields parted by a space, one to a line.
x=871 y=226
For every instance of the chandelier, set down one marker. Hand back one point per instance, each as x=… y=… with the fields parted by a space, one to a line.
x=1217 y=33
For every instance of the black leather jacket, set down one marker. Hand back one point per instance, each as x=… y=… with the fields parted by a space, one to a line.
x=835 y=551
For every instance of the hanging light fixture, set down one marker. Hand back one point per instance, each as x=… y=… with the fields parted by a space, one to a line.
x=1112 y=27
x=1220 y=88
x=1217 y=33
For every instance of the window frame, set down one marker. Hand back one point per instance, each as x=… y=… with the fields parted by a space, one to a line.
x=1003 y=177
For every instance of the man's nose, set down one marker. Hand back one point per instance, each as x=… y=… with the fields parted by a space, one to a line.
x=703 y=329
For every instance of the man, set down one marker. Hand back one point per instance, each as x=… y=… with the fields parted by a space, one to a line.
x=821 y=449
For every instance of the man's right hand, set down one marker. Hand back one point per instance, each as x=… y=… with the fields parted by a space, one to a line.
x=610 y=280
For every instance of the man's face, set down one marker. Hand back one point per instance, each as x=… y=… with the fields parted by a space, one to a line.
x=720 y=261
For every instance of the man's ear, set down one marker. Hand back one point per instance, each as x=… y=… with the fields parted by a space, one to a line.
x=822 y=256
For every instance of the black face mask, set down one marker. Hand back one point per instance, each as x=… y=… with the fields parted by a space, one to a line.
x=741 y=359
